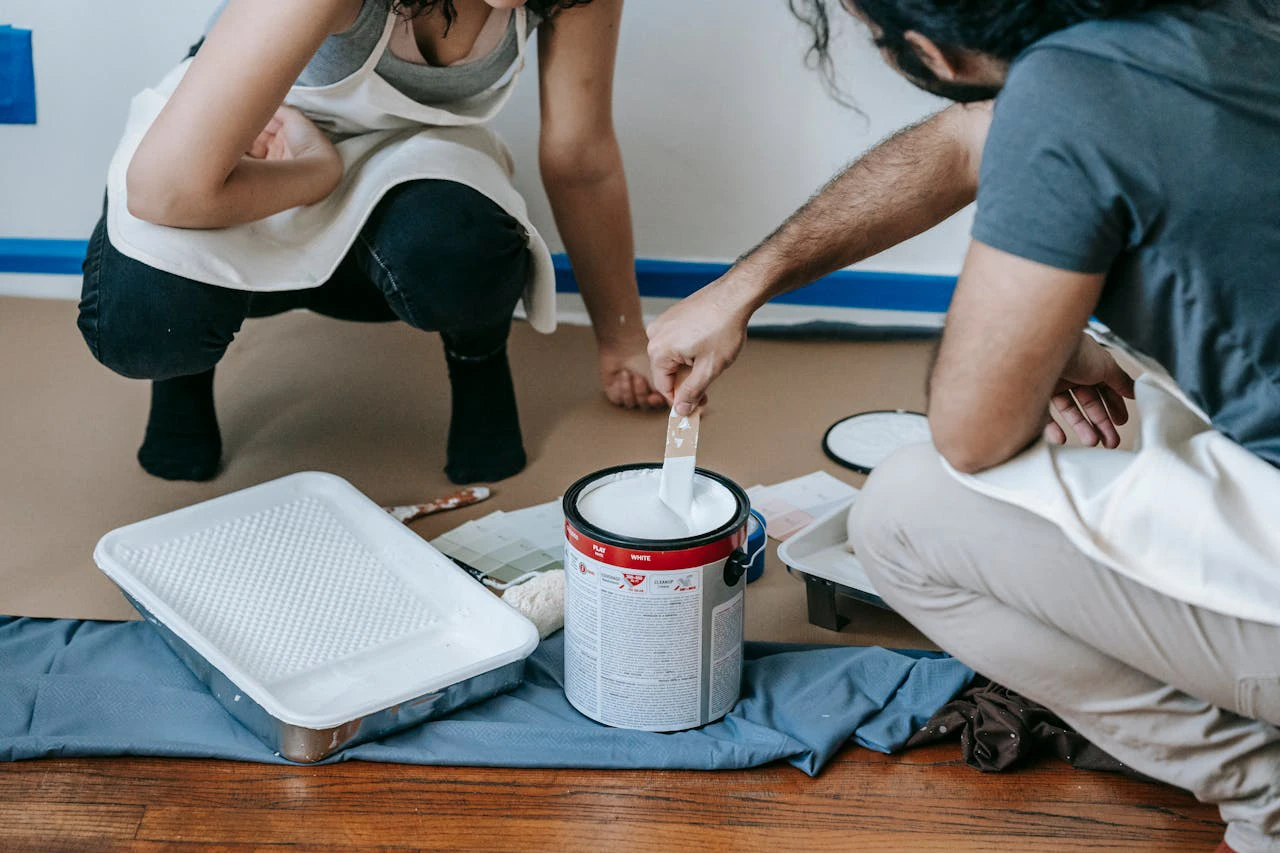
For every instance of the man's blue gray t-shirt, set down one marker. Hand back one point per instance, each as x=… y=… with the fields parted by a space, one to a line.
x=1149 y=149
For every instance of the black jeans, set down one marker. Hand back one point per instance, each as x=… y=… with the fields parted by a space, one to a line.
x=436 y=254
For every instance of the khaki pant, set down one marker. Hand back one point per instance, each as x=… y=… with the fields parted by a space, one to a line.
x=1179 y=693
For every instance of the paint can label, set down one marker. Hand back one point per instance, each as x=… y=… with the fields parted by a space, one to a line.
x=726 y=656
x=657 y=649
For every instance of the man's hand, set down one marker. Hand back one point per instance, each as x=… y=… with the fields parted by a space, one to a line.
x=1090 y=397
x=625 y=375
x=1014 y=342
x=701 y=336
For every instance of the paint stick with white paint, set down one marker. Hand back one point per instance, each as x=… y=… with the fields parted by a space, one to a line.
x=678 y=464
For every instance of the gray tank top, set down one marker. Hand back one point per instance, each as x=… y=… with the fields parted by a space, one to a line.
x=343 y=53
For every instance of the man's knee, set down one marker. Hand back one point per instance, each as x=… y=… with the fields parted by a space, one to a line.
x=893 y=510
x=453 y=255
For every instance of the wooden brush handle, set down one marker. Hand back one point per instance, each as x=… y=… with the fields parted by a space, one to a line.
x=465 y=497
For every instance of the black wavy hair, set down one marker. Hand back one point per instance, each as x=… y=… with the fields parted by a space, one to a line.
x=998 y=28
x=544 y=8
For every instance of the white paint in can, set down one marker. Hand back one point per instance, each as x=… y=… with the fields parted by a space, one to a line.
x=654 y=614
x=628 y=505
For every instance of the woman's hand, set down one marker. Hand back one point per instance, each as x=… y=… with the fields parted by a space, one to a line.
x=290 y=135
x=626 y=376
x=1090 y=397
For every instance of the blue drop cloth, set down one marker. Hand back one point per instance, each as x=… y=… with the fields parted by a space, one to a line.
x=80 y=688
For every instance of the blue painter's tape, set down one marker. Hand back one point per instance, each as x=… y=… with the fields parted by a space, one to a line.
x=17 y=77
x=671 y=279
x=54 y=257
x=883 y=291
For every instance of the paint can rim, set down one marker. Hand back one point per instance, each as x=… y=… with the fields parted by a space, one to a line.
x=573 y=516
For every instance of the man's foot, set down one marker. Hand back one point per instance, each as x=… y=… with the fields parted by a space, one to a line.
x=484 y=433
x=182 y=440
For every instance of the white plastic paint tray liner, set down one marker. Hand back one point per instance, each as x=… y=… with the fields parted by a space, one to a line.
x=820 y=555
x=317 y=619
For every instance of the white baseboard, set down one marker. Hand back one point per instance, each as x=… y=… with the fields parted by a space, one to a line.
x=40 y=286
x=573 y=312
x=571 y=309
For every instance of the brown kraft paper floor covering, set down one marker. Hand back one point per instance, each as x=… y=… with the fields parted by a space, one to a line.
x=370 y=403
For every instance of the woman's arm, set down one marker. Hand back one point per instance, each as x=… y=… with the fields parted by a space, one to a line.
x=582 y=171
x=194 y=168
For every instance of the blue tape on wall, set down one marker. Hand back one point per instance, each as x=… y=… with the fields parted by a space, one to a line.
x=17 y=77
x=54 y=257
x=673 y=279
x=882 y=291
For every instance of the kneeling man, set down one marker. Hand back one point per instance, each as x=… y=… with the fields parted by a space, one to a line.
x=1125 y=160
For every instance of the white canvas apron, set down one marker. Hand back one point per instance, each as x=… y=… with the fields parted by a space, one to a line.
x=389 y=139
x=1190 y=513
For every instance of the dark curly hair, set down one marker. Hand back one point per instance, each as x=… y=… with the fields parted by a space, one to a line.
x=998 y=28
x=544 y=8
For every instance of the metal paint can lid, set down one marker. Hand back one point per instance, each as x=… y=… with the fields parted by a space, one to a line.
x=863 y=441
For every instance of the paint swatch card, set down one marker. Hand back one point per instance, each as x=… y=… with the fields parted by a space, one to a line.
x=791 y=506
x=505 y=545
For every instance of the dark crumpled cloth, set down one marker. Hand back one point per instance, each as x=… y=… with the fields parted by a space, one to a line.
x=1001 y=730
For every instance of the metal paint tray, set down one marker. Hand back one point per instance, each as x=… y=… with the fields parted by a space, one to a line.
x=315 y=618
x=819 y=555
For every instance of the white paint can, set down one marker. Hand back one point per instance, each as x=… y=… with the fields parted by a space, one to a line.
x=654 y=607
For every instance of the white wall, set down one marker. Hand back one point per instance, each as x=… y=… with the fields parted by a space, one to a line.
x=724 y=129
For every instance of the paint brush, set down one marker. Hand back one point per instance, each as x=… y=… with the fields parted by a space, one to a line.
x=678 y=463
x=466 y=497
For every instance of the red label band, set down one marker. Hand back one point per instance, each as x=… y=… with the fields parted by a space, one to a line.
x=660 y=561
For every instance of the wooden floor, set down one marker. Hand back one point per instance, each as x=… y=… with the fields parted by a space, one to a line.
x=924 y=800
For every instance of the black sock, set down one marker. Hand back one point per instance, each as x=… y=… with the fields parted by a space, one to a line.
x=484 y=433
x=182 y=441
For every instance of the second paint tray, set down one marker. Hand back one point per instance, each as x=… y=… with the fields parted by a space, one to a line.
x=820 y=555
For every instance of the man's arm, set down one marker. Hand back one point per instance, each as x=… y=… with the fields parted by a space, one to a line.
x=1014 y=341
x=902 y=187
